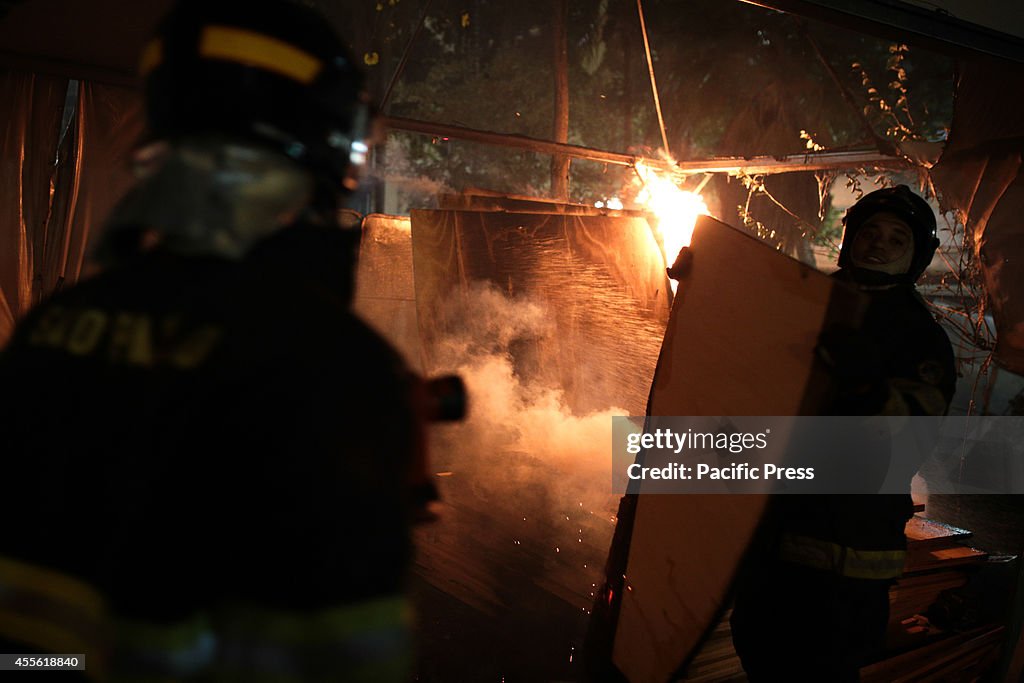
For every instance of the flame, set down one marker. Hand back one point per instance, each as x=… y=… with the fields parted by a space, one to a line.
x=676 y=211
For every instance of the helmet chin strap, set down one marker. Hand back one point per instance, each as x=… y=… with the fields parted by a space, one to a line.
x=875 y=279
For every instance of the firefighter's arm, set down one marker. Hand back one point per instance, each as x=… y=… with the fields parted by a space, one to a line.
x=928 y=385
x=863 y=387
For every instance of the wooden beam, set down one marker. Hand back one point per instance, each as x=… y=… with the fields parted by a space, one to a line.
x=816 y=161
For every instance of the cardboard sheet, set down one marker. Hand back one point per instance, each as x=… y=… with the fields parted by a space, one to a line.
x=740 y=341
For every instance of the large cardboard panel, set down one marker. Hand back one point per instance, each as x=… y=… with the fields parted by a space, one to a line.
x=740 y=341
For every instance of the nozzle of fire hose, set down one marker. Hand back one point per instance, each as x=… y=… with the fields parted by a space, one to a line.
x=446 y=399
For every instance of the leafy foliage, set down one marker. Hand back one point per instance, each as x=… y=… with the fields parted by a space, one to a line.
x=487 y=64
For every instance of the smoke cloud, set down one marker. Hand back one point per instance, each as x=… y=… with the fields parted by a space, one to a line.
x=526 y=480
x=517 y=413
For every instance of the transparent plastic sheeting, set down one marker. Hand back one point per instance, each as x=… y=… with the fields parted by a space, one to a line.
x=581 y=307
x=817 y=455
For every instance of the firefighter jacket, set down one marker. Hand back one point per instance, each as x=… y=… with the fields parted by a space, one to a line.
x=862 y=536
x=812 y=601
x=206 y=466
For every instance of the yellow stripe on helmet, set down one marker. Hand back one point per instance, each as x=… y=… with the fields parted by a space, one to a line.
x=254 y=49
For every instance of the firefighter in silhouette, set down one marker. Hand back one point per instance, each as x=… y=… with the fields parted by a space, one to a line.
x=816 y=606
x=812 y=598
x=211 y=464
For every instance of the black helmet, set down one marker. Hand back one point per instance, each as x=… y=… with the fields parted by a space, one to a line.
x=910 y=207
x=270 y=71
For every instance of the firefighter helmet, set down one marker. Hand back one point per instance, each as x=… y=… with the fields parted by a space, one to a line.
x=909 y=207
x=271 y=72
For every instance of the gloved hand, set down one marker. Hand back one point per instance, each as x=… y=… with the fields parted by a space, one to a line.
x=681 y=266
x=856 y=364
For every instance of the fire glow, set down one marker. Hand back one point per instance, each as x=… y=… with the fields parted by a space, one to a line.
x=676 y=210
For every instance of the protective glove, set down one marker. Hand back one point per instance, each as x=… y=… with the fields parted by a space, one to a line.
x=681 y=266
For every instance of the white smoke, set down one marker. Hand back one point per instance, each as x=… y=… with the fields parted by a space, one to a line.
x=514 y=414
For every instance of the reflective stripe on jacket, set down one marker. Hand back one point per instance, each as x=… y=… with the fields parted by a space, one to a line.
x=52 y=612
x=852 y=563
x=369 y=642
x=364 y=642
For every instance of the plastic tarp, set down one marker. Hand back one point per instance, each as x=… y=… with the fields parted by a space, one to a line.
x=53 y=202
x=600 y=281
x=555 y=322
x=980 y=175
x=31 y=130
